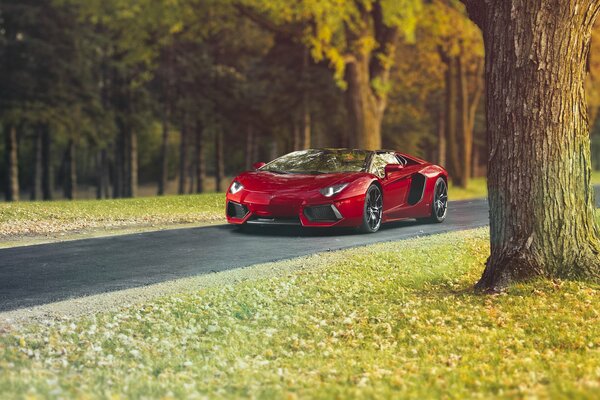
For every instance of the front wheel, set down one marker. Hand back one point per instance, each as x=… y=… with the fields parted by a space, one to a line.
x=373 y=210
x=439 y=204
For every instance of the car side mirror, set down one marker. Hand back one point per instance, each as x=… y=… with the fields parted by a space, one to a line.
x=392 y=168
x=258 y=165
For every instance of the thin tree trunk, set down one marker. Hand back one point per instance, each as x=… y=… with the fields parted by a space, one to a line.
x=452 y=160
x=441 y=147
x=12 y=163
x=219 y=166
x=297 y=137
x=465 y=133
x=119 y=166
x=539 y=178
x=133 y=163
x=200 y=161
x=70 y=185
x=36 y=184
x=183 y=158
x=192 y=167
x=249 y=147
x=164 y=162
x=99 y=175
x=47 y=172
x=306 y=128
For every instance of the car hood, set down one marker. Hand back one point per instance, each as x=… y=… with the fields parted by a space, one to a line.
x=268 y=182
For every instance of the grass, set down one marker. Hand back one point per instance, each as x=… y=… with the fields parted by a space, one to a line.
x=477 y=188
x=55 y=217
x=395 y=320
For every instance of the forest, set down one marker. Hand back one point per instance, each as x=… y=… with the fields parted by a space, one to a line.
x=125 y=98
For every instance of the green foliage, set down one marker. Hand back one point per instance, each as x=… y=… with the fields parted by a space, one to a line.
x=395 y=320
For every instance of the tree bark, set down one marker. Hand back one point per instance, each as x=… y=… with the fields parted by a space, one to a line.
x=36 y=184
x=102 y=181
x=364 y=108
x=132 y=181
x=164 y=162
x=441 y=145
x=119 y=169
x=12 y=163
x=200 y=161
x=249 y=147
x=219 y=165
x=70 y=186
x=539 y=178
x=465 y=132
x=183 y=158
x=306 y=119
x=47 y=172
x=452 y=156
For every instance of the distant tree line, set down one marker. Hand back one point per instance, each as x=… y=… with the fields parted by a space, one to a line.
x=113 y=96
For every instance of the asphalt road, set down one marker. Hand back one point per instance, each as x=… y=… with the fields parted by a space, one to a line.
x=46 y=273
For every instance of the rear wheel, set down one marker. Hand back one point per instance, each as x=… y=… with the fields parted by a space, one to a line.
x=439 y=204
x=373 y=210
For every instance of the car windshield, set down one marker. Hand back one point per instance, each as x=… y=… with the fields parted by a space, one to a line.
x=319 y=162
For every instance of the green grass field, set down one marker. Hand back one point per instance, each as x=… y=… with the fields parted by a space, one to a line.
x=395 y=320
x=42 y=218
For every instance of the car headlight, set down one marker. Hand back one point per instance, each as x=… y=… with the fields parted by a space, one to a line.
x=332 y=190
x=235 y=187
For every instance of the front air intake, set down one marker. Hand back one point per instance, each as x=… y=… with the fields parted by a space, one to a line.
x=326 y=213
x=236 y=210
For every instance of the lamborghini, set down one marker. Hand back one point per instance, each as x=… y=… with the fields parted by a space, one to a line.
x=339 y=188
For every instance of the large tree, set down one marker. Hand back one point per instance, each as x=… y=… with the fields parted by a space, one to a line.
x=540 y=193
x=358 y=38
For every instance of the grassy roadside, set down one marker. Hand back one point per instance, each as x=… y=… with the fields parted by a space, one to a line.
x=389 y=320
x=60 y=217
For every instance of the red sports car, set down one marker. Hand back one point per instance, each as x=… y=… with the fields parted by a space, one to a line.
x=339 y=187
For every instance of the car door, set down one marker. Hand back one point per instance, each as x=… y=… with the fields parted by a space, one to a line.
x=395 y=184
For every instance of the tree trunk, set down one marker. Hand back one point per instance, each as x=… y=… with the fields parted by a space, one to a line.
x=540 y=193
x=36 y=184
x=70 y=186
x=297 y=137
x=452 y=160
x=200 y=167
x=249 y=147
x=12 y=163
x=465 y=133
x=219 y=166
x=132 y=181
x=441 y=148
x=119 y=168
x=102 y=174
x=306 y=128
x=164 y=162
x=47 y=173
x=183 y=158
x=364 y=109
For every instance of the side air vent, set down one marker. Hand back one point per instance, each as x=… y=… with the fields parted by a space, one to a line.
x=235 y=210
x=417 y=187
x=322 y=213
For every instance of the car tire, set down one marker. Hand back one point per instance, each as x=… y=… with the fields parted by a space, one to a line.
x=372 y=211
x=439 y=203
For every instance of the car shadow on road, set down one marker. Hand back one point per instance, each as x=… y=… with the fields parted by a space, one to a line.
x=298 y=231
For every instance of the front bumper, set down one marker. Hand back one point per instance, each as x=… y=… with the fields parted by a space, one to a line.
x=302 y=210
